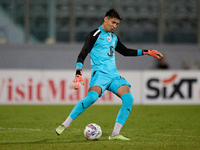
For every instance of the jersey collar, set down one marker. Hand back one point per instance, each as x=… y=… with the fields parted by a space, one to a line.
x=101 y=29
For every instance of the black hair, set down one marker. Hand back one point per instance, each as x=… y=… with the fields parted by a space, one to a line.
x=113 y=14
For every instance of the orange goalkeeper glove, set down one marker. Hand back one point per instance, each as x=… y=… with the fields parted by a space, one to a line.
x=77 y=79
x=153 y=53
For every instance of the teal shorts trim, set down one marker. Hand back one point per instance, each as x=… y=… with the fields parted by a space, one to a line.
x=107 y=82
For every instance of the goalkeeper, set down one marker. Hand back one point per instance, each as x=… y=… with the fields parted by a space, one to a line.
x=101 y=44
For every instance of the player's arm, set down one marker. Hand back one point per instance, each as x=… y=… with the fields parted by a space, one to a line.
x=122 y=49
x=87 y=47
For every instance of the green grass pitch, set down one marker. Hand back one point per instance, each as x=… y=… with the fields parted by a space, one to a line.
x=156 y=127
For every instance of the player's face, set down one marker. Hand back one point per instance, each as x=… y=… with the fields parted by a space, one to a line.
x=110 y=24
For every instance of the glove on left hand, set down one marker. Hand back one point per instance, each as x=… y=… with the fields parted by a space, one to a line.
x=153 y=53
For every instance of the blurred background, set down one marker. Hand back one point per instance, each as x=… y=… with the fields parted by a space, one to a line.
x=49 y=34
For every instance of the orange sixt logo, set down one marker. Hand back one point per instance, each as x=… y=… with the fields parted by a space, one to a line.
x=171 y=87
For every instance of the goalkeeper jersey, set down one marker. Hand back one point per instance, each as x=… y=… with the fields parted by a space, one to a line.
x=101 y=46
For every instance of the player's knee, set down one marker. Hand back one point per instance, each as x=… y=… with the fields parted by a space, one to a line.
x=127 y=99
x=93 y=96
x=130 y=100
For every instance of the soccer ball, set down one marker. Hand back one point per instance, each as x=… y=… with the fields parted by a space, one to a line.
x=92 y=131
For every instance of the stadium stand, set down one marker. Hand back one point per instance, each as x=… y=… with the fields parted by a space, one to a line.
x=140 y=19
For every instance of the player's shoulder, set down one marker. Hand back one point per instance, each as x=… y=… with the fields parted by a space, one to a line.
x=94 y=33
x=115 y=35
x=93 y=36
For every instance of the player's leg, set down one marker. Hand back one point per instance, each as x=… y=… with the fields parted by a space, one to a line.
x=122 y=89
x=127 y=101
x=80 y=107
x=98 y=84
x=83 y=104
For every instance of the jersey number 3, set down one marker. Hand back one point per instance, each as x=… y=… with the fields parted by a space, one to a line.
x=111 y=51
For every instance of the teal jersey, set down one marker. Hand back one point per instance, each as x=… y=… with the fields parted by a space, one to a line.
x=102 y=55
x=101 y=47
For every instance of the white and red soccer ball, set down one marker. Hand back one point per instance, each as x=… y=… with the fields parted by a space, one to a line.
x=92 y=131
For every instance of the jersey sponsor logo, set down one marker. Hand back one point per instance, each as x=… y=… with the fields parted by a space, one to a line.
x=108 y=38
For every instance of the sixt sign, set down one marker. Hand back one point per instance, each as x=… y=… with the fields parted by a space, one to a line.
x=171 y=87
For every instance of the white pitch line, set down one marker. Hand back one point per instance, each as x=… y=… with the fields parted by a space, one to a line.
x=20 y=129
x=174 y=135
x=78 y=130
x=27 y=129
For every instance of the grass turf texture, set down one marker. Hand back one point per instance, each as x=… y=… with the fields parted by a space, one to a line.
x=149 y=127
